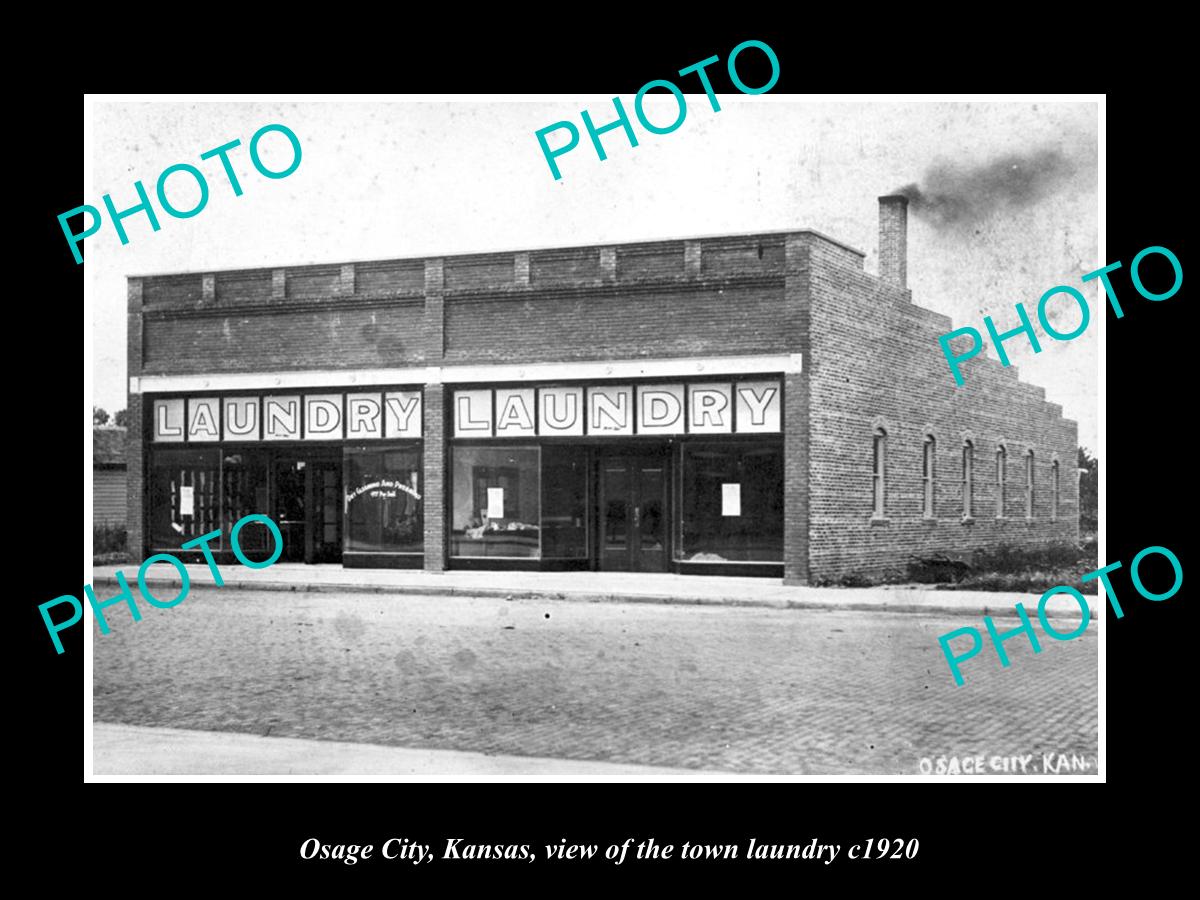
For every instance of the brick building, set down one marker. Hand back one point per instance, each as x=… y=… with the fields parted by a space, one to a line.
x=727 y=405
x=108 y=476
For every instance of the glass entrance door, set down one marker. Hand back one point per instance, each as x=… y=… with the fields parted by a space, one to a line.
x=308 y=508
x=289 y=503
x=325 y=522
x=633 y=503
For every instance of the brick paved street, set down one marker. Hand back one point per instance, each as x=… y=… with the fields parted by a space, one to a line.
x=741 y=689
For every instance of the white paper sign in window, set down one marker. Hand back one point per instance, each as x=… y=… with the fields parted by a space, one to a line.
x=731 y=499
x=495 y=505
x=187 y=500
x=758 y=406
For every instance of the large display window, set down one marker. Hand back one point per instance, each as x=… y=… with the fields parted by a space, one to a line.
x=384 y=508
x=565 y=510
x=520 y=502
x=185 y=496
x=245 y=480
x=497 y=502
x=731 y=503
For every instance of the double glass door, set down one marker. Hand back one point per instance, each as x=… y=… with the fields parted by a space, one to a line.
x=308 y=508
x=633 y=504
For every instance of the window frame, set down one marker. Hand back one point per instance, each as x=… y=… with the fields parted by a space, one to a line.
x=1030 y=482
x=497 y=447
x=929 y=476
x=968 y=478
x=689 y=457
x=1054 y=489
x=879 y=473
x=354 y=455
x=1001 y=479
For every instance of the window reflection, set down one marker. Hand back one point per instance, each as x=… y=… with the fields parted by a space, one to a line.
x=384 y=501
x=564 y=503
x=714 y=528
x=184 y=496
x=496 y=502
x=244 y=476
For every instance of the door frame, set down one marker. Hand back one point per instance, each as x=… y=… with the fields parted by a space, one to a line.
x=311 y=457
x=636 y=454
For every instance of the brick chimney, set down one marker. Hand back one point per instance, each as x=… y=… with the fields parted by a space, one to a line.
x=893 y=240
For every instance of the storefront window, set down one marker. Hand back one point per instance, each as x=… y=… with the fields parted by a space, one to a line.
x=184 y=496
x=383 y=501
x=564 y=503
x=496 y=502
x=244 y=474
x=732 y=504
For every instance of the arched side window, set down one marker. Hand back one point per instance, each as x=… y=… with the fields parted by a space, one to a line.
x=928 y=473
x=1029 y=463
x=1001 y=478
x=968 y=477
x=879 y=472
x=1054 y=490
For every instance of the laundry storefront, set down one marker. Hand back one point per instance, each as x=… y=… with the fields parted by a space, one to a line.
x=637 y=476
x=754 y=404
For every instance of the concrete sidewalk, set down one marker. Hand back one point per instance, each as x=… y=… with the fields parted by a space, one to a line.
x=120 y=751
x=599 y=587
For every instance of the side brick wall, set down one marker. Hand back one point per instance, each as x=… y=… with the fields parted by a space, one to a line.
x=874 y=361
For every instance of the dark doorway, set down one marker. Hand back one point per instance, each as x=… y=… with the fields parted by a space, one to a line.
x=289 y=507
x=633 y=521
x=323 y=539
x=308 y=508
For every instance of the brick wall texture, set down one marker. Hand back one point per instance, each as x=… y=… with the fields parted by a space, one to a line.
x=875 y=362
x=870 y=360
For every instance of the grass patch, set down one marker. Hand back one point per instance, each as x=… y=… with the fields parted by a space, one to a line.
x=1028 y=570
x=108 y=545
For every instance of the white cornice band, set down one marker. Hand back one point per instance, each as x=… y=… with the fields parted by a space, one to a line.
x=679 y=367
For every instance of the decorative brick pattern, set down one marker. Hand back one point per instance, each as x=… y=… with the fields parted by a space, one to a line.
x=382 y=334
x=608 y=263
x=691 y=258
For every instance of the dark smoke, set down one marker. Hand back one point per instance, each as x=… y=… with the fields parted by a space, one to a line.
x=951 y=195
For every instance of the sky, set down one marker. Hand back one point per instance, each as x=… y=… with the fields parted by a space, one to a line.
x=401 y=178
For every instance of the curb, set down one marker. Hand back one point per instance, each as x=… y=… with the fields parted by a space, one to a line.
x=596 y=597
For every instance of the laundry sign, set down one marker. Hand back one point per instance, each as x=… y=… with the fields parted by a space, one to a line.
x=744 y=407
x=288 y=417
